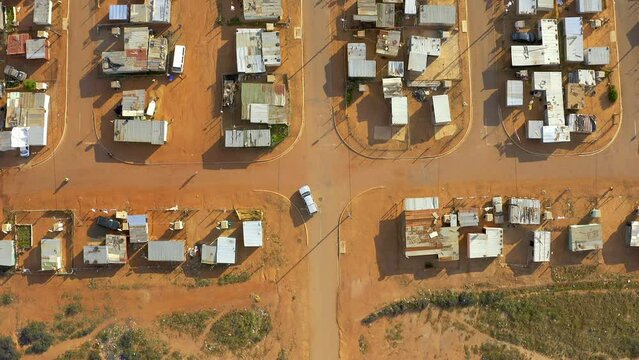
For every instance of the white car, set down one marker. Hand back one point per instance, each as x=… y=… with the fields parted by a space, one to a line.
x=25 y=152
x=305 y=192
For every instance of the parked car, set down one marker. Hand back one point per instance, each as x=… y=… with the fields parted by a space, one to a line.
x=305 y=192
x=15 y=73
x=527 y=37
x=109 y=223
x=25 y=152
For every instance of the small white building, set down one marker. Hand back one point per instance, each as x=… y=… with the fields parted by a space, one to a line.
x=441 y=110
x=534 y=129
x=221 y=252
x=632 y=233
x=138 y=229
x=37 y=49
x=248 y=51
x=166 y=250
x=112 y=252
x=514 y=93
x=119 y=12
x=262 y=10
x=42 y=11
x=399 y=110
x=524 y=211
x=488 y=244
x=95 y=255
x=51 y=256
x=242 y=138
x=410 y=7
x=420 y=49
x=154 y=132
x=253 y=233
x=358 y=66
x=443 y=16
x=597 y=56
x=574 y=39
x=589 y=6
x=271 y=48
x=555 y=134
x=545 y=54
x=585 y=237
x=396 y=68
x=551 y=84
x=7 y=253
x=540 y=246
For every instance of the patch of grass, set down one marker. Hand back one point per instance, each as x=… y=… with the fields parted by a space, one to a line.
x=234 y=21
x=87 y=351
x=72 y=323
x=234 y=278
x=23 y=234
x=363 y=344
x=8 y=349
x=238 y=330
x=282 y=355
x=279 y=132
x=494 y=351
x=73 y=308
x=394 y=335
x=29 y=85
x=6 y=299
x=36 y=337
x=200 y=283
x=572 y=273
x=191 y=323
x=350 y=88
x=129 y=342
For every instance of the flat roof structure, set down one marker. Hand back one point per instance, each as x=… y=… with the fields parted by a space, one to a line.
x=396 y=68
x=540 y=246
x=160 y=11
x=526 y=7
x=437 y=15
x=51 y=255
x=632 y=234
x=468 y=217
x=116 y=248
x=248 y=51
x=589 y=6
x=555 y=133
x=133 y=103
x=488 y=244
x=441 y=110
x=222 y=252
x=17 y=43
x=152 y=132
x=241 y=138
x=551 y=84
x=524 y=211
x=30 y=110
x=514 y=93
x=95 y=255
x=166 y=250
x=271 y=49
x=38 y=49
x=597 y=56
x=262 y=10
x=545 y=5
x=410 y=7
x=7 y=253
x=545 y=54
x=534 y=129
x=366 y=7
x=585 y=237
x=119 y=12
x=42 y=10
x=253 y=233
x=358 y=66
x=421 y=235
x=399 y=110
x=385 y=15
x=574 y=39
x=420 y=48
x=264 y=103
x=388 y=42
x=392 y=87
x=140 y=13
x=138 y=228
x=584 y=77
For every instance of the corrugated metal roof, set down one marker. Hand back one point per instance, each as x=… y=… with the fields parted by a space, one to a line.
x=37 y=49
x=534 y=128
x=248 y=51
x=468 y=217
x=225 y=253
x=585 y=237
x=437 y=15
x=525 y=211
x=583 y=77
x=95 y=255
x=240 y=138
x=555 y=134
x=7 y=253
x=396 y=68
x=144 y=131
x=420 y=48
x=632 y=234
x=589 y=6
x=441 y=109
x=42 y=10
x=581 y=123
x=399 y=110
x=141 y=54
x=545 y=54
x=392 y=87
x=272 y=94
x=258 y=113
x=410 y=7
x=574 y=38
x=161 y=11
x=119 y=12
x=158 y=53
x=388 y=42
x=252 y=233
x=385 y=15
x=50 y=254
x=5 y=140
x=141 y=13
x=541 y=246
x=356 y=51
x=362 y=68
x=30 y=110
x=166 y=250
x=116 y=247
x=366 y=7
x=262 y=9
x=488 y=244
x=271 y=49
x=514 y=93
x=545 y=5
x=133 y=102
x=597 y=56
x=138 y=228
x=17 y=43
x=551 y=84
x=424 y=203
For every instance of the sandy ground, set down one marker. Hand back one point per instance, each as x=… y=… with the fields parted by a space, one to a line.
x=365 y=124
x=607 y=113
x=53 y=72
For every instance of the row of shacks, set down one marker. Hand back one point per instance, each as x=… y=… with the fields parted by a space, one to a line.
x=422 y=50
x=426 y=231
x=135 y=230
x=564 y=102
x=27 y=114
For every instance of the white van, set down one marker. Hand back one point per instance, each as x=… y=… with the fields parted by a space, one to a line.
x=178 y=59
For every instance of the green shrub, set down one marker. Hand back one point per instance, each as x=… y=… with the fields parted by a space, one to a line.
x=240 y=329
x=191 y=323
x=36 y=336
x=234 y=278
x=6 y=299
x=279 y=132
x=8 y=349
x=613 y=95
x=29 y=85
x=72 y=309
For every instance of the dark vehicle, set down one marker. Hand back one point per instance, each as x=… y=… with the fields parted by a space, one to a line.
x=109 y=223
x=527 y=37
x=15 y=73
